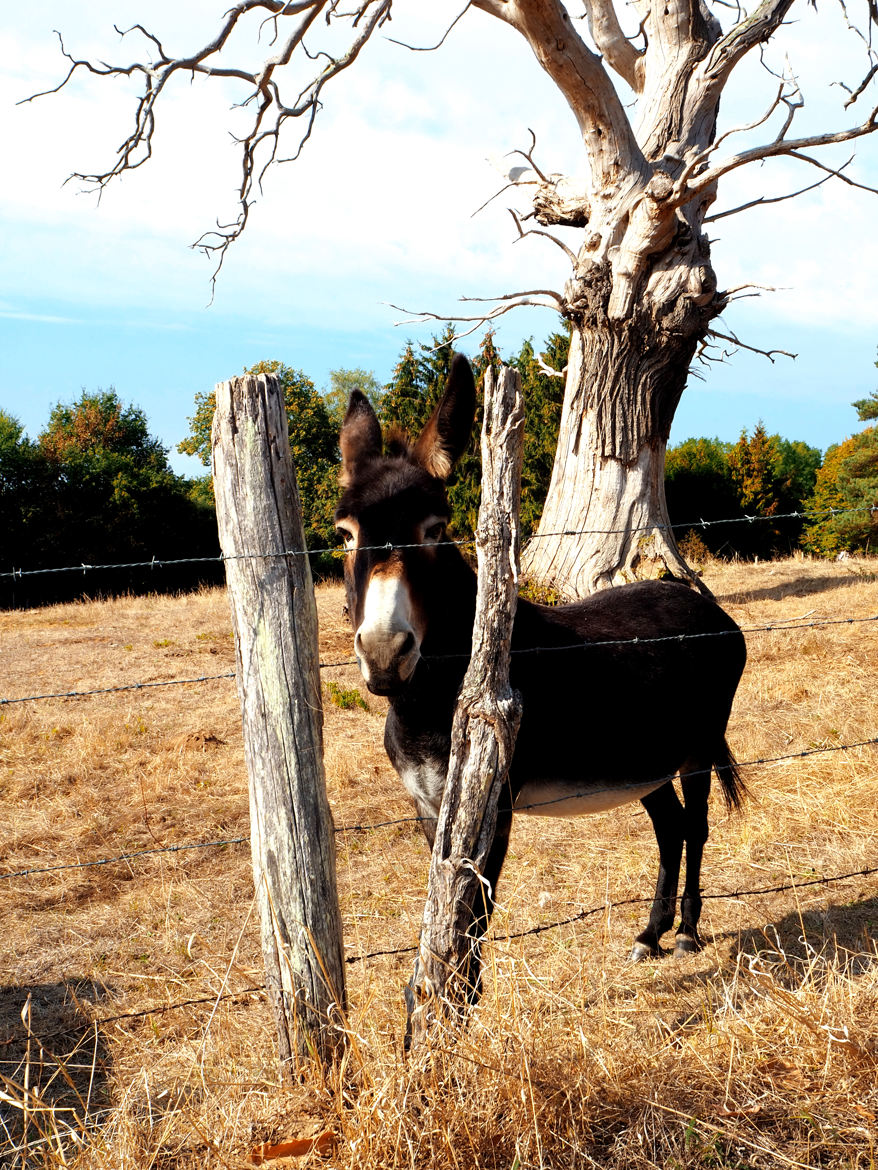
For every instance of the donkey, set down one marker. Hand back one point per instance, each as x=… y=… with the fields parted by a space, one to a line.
x=606 y=719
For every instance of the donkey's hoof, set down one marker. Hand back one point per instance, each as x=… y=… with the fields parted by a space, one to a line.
x=641 y=951
x=686 y=944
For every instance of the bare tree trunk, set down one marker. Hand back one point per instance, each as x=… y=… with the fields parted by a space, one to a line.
x=624 y=381
x=275 y=623
x=483 y=734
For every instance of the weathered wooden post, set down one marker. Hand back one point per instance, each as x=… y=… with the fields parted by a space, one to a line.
x=274 y=617
x=484 y=730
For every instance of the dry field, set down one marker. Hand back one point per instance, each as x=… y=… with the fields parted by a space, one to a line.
x=762 y=1051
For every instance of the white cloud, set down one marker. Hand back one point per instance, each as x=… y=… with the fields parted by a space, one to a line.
x=378 y=208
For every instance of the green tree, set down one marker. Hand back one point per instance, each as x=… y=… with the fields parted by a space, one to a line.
x=867 y=408
x=341 y=385
x=543 y=395
x=402 y=403
x=22 y=486
x=699 y=486
x=96 y=488
x=313 y=442
x=847 y=480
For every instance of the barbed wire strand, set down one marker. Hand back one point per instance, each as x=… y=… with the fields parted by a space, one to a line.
x=221 y=558
x=173 y=682
x=415 y=819
x=160 y=1009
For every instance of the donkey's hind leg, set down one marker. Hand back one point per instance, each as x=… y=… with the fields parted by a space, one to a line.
x=695 y=782
x=667 y=816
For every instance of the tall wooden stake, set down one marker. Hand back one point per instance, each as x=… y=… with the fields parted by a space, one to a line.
x=274 y=617
x=485 y=726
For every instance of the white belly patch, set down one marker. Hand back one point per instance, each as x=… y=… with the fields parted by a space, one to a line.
x=566 y=798
x=424 y=784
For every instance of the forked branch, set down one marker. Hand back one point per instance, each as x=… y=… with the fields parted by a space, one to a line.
x=275 y=96
x=502 y=304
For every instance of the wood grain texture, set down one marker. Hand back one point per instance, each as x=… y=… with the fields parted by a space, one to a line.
x=485 y=725
x=275 y=625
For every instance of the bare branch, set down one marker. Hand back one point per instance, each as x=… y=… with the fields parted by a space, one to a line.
x=833 y=173
x=439 y=43
x=260 y=146
x=571 y=255
x=528 y=155
x=753 y=30
x=497 y=194
x=582 y=79
x=858 y=92
x=699 y=160
x=514 y=301
x=764 y=200
x=546 y=369
x=736 y=341
x=777 y=148
x=603 y=24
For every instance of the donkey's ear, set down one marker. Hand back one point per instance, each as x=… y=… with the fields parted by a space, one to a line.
x=360 y=438
x=444 y=438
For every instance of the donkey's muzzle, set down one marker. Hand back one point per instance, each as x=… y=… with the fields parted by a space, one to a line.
x=387 y=661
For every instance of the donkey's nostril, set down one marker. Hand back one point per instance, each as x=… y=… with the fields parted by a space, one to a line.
x=408 y=644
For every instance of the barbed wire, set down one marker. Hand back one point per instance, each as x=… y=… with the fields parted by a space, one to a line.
x=222 y=558
x=416 y=819
x=580 y=916
x=174 y=682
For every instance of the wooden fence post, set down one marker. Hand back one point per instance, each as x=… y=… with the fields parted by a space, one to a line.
x=274 y=617
x=485 y=726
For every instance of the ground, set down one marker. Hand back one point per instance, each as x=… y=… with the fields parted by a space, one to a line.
x=760 y=1051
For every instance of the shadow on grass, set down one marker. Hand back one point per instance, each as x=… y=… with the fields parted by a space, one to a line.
x=803 y=586
x=54 y=1068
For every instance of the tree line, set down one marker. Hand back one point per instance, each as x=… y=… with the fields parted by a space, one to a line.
x=96 y=488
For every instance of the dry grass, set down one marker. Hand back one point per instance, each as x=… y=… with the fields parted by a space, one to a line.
x=762 y=1051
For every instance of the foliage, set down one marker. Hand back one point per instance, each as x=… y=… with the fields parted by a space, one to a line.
x=347 y=698
x=313 y=442
x=847 y=479
x=342 y=383
x=417 y=385
x=760 y=475
x=96 y=488
x=699 y=486
x=867 y=408
x=543 y=396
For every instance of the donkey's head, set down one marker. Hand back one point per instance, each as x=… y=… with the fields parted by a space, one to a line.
x=393 y=516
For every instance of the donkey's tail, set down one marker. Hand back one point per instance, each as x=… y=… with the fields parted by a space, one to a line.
x=734 y=788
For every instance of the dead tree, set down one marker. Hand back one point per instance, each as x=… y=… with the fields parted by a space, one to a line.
x=483 y=734
x=274 y=618
x=642 y=295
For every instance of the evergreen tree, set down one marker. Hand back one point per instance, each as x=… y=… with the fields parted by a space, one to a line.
x=543 y=396
x=847 y=480
x=402 y=403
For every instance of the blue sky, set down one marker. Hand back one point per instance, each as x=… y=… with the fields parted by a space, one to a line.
x=377 y=210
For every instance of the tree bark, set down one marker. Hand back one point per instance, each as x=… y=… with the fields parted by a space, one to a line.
x=483 y=734
x=274 y=617
x=624 y=381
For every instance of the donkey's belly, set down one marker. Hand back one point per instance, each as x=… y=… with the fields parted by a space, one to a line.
x=566 y=798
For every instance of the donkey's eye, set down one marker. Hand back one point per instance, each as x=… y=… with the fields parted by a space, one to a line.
x=434 y=533
x=346 y=534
